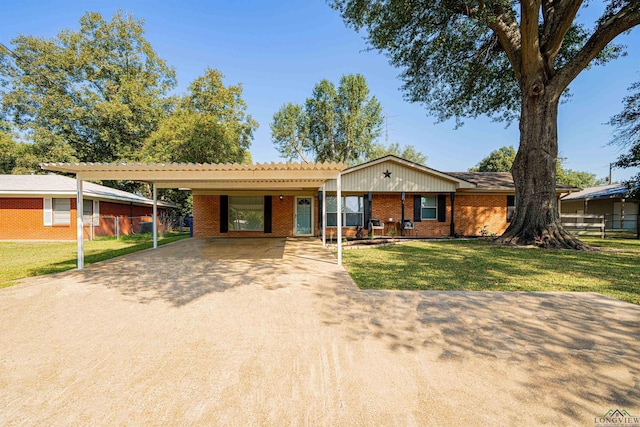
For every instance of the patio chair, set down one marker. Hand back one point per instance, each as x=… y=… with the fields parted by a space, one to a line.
x=408 y=225
x=376 y=224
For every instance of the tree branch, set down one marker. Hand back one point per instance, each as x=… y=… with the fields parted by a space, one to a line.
x=625 y=19
x=295 y=147
x=530 y=47
x=558 y=17
x=506 y=29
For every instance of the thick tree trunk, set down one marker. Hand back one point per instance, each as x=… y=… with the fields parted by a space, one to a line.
x=536 y=219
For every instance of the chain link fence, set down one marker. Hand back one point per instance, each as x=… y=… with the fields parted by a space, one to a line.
x=111 y=225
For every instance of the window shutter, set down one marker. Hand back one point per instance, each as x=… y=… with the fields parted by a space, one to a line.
x=48 y=211
x=442 y=207
x=417 y=208
x=367 y=208
x=224 y=214
x=268 y=207
x=96 y=212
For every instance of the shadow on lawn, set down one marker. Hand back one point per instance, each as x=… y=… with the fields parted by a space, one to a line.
x=479 y=266
x=578 y=352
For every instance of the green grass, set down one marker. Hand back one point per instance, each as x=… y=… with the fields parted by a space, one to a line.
x=614 y=270
x=25 y=259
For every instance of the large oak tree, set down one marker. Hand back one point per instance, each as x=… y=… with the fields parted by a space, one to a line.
x=498 y=57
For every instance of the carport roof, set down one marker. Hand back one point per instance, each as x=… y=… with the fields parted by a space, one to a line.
x=206 y=175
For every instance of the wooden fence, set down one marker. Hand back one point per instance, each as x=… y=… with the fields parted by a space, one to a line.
x=583 y=224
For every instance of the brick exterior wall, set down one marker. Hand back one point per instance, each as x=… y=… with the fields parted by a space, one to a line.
x=206 y=218
x=23 y=219
x=475 y=211
x=126 y=224
x=472 y=212
x=427 y=227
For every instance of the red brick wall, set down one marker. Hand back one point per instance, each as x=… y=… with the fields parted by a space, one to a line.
x=389 y=205
x=427 y=227
x=126 y=224
x=23 y=219
x=472 y=212
x=206 y=218
x=475 y=211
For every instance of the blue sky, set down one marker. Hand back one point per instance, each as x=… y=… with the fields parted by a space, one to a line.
x=279 y=50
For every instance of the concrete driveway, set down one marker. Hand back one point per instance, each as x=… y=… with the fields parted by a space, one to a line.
x=268 y=332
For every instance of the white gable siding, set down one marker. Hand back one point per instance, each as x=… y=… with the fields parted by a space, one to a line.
x=402 y=178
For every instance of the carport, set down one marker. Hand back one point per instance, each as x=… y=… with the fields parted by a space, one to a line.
x=275 y=177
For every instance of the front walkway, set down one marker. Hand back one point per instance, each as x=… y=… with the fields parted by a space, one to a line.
x=273 y=332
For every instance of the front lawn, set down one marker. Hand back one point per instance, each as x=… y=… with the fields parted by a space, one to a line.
x=479 y=265
x=25 y=259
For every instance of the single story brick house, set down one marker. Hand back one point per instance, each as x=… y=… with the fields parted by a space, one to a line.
x=620 y=213
x=302 y=199
x=389 y=189
x=43 y=207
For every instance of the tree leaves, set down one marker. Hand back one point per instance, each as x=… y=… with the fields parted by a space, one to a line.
x=209 y=126
x=407 y=152
x=100 y=90
x=333 y=125
x=627 y=124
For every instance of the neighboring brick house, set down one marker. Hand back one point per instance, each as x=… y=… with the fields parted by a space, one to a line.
x=43 y=207
x=389 y=189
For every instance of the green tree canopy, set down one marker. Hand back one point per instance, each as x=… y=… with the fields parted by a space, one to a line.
x=500 y=160
x=627 y=135
x=504 y=59
x=333 y=125
x=8 y=152
x=93 y=94
x=209 y=126
x=407 y=152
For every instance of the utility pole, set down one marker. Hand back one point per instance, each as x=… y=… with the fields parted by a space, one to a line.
x=610 y=169
x=386 y=126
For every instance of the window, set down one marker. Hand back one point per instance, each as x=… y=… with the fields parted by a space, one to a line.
x=511 y=207
x=87 y=211
x=429 y=207
x=352 y=211
x=246 y=213
x=62 y=211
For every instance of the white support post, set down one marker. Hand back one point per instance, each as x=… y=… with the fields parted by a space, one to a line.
x=339 y=195
x=324 y=215
x=155 y=216
x=80 y=223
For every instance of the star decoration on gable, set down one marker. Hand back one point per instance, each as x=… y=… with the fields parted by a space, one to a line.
x=387 y=174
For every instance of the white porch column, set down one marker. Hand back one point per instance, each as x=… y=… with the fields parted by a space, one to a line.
x=339 y=195
x=155 y=216
x=79 y=222
x=324 y=215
